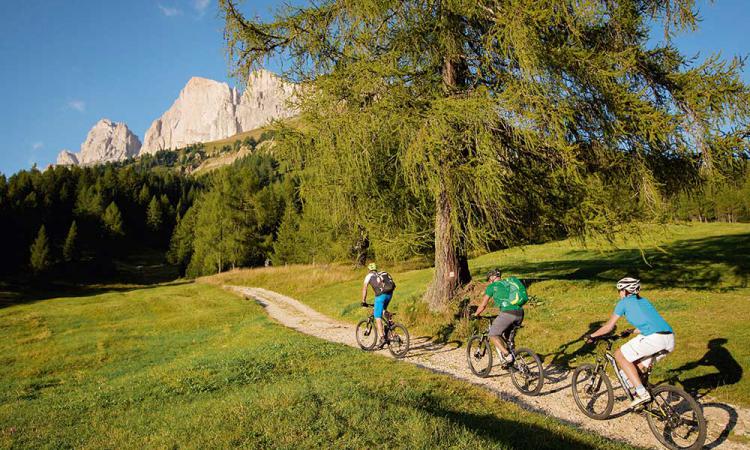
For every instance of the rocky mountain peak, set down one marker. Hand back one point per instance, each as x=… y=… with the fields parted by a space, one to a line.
x=107 y=141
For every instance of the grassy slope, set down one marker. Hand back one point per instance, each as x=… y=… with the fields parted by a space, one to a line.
x=696 y=275
x=193 y=366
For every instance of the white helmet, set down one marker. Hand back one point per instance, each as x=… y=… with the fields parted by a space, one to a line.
x=630 y=285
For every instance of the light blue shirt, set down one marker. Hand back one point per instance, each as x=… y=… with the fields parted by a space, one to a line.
x=642 y=315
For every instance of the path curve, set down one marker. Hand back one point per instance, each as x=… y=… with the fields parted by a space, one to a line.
x=555 y=399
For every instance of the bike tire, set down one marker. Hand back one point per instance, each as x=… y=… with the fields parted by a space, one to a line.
x=366 y=334
x=579 y=385
x=478 y=349
x=398 y=340
x=660 y=414
x=527 y=372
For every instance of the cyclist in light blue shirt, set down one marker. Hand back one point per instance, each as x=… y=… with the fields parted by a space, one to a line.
x=654 y=339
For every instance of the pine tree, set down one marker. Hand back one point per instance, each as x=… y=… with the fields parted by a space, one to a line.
x=470 y=105
x=112 y=220
x=154 y=215
x=40 y=253
x=70 y=247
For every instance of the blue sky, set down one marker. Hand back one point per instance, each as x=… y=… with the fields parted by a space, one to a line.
x=65 y=64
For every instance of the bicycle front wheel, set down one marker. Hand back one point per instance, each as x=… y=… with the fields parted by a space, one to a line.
x=479 y=356
x=527 y=372
x=676 y=419
x=366 y=334
x=593 y=392
x=398 y=340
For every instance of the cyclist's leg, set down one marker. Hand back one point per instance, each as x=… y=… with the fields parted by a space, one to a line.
x=379 y=306
x=501 y=323
x=640 y=349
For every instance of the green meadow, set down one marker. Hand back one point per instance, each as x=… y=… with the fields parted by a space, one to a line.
x=192 y=366
x=696 y=275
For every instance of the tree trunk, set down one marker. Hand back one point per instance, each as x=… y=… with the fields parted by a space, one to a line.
x=451 y=264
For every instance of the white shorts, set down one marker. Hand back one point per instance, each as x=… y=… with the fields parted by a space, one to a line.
x=641 y=347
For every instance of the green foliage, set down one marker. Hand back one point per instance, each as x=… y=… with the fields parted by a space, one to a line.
x=40 y=259
x=154 y=214
x=455 y=122
x=234 y=222
x=112 y=220
x=70 y=246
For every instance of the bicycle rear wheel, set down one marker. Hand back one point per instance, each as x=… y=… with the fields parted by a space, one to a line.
x=527 y=372
x=676 y=419
x=479 y=356
x=366 y=334
x=398 y=340
x=593 y=392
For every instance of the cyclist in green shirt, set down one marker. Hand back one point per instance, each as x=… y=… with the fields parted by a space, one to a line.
x=509 y=295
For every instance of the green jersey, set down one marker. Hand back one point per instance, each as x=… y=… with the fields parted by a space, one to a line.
x=508 y=294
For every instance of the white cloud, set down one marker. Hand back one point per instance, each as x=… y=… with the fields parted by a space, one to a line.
x=201 y=5
x=169 y=11
x=38 y=145
x=78 y=105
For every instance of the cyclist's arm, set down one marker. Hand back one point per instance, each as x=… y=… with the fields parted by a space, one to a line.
x=482 y=305
x=607 y=327
x=364 y=293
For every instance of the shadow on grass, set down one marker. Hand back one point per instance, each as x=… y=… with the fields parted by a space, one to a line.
x=728 y=370
x=17 y=295
x=707 y=263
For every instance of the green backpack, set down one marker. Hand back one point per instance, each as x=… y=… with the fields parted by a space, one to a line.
x=517 y=295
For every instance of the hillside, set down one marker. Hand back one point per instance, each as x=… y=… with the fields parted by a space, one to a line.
x=188 y=365
x=696 y=275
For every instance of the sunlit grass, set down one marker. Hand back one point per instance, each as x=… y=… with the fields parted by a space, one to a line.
x=193 y=366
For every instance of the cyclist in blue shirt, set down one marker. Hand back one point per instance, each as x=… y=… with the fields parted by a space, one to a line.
x=654 y=335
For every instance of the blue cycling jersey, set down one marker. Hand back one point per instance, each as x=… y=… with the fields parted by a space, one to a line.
x=642 y=315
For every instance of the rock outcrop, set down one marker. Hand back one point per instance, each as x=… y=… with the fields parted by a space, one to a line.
x=67 y=158
x=208 y=110
x=106 y=142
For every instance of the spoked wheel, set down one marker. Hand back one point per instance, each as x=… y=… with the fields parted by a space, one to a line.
x=479 y=356
x=398 y=340
x=527 y=372
x=593 y=392
x=367 y=334
x=676 y=419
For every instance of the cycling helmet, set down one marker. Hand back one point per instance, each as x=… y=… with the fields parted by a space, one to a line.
x=372 y=266
x=494 y=273
x=631 y=285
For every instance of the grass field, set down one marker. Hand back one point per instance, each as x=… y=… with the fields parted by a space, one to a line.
x=189 y=365
x=696 y=275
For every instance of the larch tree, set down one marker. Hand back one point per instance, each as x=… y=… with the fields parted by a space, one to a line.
x=70 y=246
x=40 y=258
x=468 y=104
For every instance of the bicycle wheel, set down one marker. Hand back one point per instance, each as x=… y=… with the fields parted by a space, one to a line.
x=366 y=334
x=398 y=340
x=675 y=418
x=479 y=356
x=593 y=392
x=527 y=372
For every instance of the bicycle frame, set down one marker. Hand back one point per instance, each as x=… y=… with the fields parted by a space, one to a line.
x=606 y=354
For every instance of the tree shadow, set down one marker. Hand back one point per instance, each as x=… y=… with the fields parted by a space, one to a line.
x=706 y=263
x=728 y=369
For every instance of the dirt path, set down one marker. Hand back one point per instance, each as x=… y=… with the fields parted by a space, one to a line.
x=555 y=399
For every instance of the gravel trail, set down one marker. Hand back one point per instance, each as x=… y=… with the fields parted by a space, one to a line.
x=555 y=399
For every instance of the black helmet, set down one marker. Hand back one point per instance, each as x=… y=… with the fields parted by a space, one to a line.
x=494 y=273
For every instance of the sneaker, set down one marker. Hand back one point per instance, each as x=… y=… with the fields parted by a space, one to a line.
x=381 y=344
x=505 y=360
x=640 y=399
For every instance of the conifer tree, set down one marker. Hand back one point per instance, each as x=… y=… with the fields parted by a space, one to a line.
x=154 y=215
x=112 y=220
x=472 y=104
x=40 y=259
x=70 y=247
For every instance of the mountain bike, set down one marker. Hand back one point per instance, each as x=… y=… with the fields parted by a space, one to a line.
x=526 y=371
x=673 y=415
x=396 y=335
